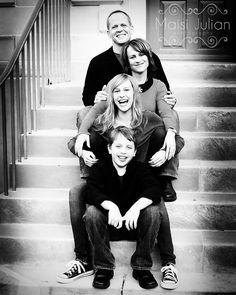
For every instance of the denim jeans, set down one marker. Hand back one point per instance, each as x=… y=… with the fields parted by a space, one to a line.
x=77 y=206
x=96 y=222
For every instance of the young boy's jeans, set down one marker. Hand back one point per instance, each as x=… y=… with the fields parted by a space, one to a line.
x=96 y=222
x=82 y=250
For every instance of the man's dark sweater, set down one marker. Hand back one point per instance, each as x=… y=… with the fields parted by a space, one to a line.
x=104 y=183
x=104 y=67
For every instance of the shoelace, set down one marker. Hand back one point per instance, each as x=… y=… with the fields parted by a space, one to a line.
x=169 y=273
x=75 y=266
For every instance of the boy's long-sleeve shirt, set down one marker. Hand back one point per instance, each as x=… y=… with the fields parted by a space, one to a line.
x=104 y=183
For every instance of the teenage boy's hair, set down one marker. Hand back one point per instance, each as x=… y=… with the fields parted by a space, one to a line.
x=125 y=131
x=118 y=11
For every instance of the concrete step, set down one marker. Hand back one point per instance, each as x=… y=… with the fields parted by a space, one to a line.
x=198 y=145
x=40 y=278
x=204 y=94
x=206 y=250
x=7 y=46
x=209 y=146
x=191 y=118
x=203 y=119
x=69 y=93
x=50 y=143
x=194 y=175
x=199 y=71
x=7 y=3
x=13 y=20
x=192 y=210
x=197 y=93
x=50 y=117
x=175 y=70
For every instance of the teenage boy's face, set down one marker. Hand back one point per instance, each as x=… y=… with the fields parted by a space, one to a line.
x=122 y=151
x=119 y=28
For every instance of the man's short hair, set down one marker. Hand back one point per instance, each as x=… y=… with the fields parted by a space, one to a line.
x=128 y=133
x=118 y=11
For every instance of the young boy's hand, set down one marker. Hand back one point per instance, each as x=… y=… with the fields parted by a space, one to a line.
x=131 y=218
x=115 y=218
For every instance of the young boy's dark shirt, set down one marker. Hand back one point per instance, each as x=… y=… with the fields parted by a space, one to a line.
x=104 y=183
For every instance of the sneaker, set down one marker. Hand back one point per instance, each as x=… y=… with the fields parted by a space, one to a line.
x=75 y=269
x=169 y=277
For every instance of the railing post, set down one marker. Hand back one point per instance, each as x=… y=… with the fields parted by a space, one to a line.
x=4 y=140
x=13 y=133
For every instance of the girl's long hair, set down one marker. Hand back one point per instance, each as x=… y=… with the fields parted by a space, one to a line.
x=106 y=121
x=140 y=45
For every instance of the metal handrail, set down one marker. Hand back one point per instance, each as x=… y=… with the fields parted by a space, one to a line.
x=40 y=58
x=21 y=42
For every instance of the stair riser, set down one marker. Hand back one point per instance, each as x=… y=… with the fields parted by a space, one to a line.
x=209 y=148
x=46 y=146
x=211 y=121
x=214 y=148
x=191 y=257
x=186 y=96
x=189 y=71
x=205 y=96
x=208 y=121
x=190 y=179
x=186 y=216
x=63 y=95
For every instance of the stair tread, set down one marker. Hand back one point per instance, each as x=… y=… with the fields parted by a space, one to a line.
x=64 y=232
x=43 y=276
x=46 y=161
x=205 y=109
x=184 y=197
x=72 y=132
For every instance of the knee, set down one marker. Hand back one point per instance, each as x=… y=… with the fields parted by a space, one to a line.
x=77 y=193
x=92 y=215
x=152 y=213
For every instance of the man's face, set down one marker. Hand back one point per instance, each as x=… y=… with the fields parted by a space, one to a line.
x=119 y=28
x=122 y=151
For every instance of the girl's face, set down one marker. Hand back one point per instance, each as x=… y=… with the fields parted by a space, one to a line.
x=138 y=61
x=123 y=96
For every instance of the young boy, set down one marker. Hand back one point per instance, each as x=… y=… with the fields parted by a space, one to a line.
x=122 y=194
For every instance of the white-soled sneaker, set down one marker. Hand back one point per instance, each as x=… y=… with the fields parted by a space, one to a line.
x=75 y=269
x=169 y=277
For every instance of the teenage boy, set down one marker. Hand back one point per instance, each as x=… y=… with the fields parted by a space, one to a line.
x=122 y=193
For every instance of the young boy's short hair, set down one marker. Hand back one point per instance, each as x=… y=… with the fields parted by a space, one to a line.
x=125 y=131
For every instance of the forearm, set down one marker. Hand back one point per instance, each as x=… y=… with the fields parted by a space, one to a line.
x=142 y=203
x=87 y=123
x=108 y=205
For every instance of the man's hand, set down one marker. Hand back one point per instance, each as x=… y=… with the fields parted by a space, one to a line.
x=131 y=218
x=81 y=139
x=158 y=159
x=169 y=144
x=101 y=95
x=89 y=158
x=170 y=99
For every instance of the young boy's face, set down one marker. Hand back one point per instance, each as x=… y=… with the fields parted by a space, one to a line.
x=122 y=151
